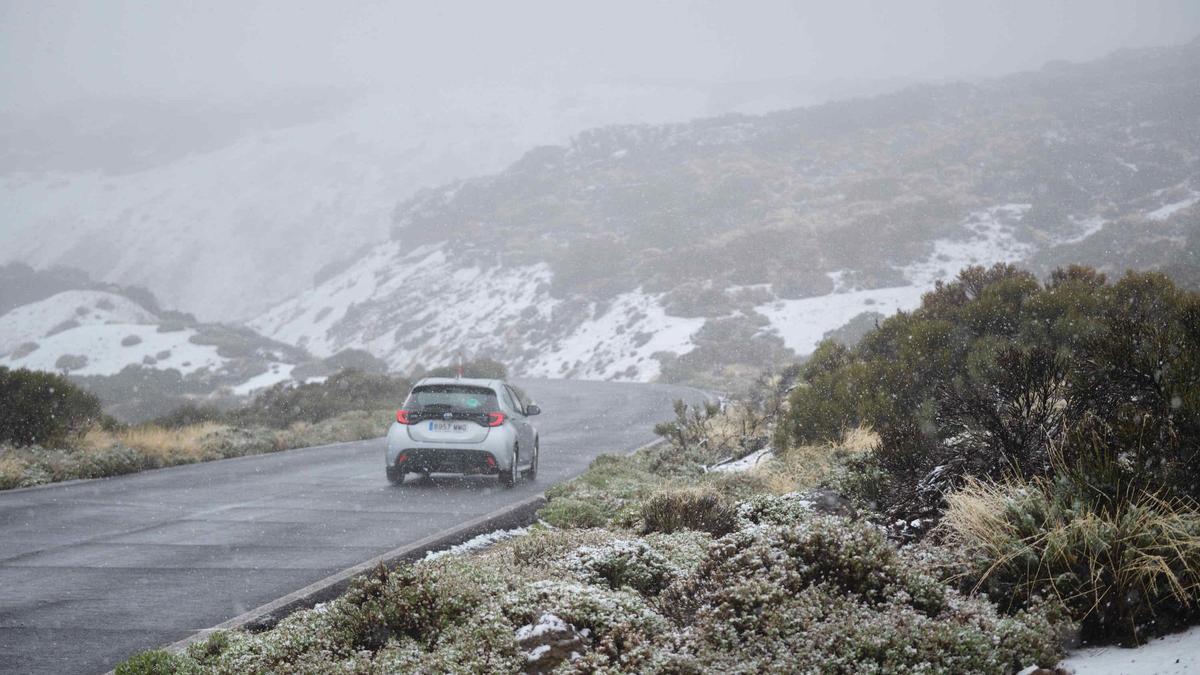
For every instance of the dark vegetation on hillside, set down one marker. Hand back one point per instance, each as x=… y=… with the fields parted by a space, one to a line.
x=784 y=198
x=43 y=408
x=1086 y=392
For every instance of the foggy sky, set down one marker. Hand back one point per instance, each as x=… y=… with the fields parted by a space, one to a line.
x=56 y=51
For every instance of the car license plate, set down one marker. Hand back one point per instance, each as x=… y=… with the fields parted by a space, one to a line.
x=448 y=426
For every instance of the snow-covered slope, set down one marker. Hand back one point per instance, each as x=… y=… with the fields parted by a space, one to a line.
x=89 y=333
x=418 y=307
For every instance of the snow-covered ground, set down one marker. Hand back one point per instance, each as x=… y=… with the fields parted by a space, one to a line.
x=991 y=239
x=33 y=322
x=102 y=333
x=1177 y=654
x=478 y=543
x=109 y=348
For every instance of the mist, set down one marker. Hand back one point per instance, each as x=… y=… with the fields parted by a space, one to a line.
x=55 y=52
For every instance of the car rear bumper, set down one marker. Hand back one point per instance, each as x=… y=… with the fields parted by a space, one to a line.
x=444 y=460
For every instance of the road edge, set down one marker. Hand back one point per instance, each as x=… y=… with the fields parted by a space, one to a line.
x=264 y=616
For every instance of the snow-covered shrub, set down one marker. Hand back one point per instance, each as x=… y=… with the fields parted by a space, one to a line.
x=599 y=609
x=786 y=509
x=623 y=563
x=569 y=512
x=830 y=595
x=688 y=509
x=1127 y=569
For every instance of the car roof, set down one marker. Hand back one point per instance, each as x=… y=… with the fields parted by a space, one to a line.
x=469 y=381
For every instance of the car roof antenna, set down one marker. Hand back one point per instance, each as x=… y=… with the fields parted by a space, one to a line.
x=460 y=366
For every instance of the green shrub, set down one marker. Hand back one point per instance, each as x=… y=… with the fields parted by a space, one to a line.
x=995 y=370
x=284 y=404
x=157 y=662
x=568 y=512
x=688 y=509
x=43 y=408
x=188 y=414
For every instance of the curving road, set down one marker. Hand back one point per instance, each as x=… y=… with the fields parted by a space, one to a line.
x=93 y=571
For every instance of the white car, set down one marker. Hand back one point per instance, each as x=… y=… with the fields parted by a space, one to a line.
x=467 y=426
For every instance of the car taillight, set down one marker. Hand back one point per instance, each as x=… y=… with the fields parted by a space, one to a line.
x=402 y=417
x=495 y=419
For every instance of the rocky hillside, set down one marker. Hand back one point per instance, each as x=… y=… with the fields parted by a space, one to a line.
x=697 y=251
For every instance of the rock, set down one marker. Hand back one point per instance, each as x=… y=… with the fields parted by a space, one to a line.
x=548 y=642
x=830 y=502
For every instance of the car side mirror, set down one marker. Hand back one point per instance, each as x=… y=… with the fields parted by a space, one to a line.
x=533 y=409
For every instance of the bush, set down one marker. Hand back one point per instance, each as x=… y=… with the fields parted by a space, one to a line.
x=189 y=414
x=43 y=408
x=283 y=405
x=828 y=595
x=157 y=662
x=1127 y=569
x=995 y=370
x=688 y=509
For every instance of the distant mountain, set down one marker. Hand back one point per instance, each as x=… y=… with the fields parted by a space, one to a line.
x=227 y=208
x=700 y=251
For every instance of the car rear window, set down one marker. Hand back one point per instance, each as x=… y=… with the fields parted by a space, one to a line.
x=452 y=397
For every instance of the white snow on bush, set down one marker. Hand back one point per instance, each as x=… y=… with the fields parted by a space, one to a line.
x=991 y=238
x=547 y=624
x=1177 y=654
x=478 y=542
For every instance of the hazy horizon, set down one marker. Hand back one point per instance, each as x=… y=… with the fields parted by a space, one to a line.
x=58 y=52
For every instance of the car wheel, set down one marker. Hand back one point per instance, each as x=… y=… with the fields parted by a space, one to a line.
x=509 y=478
x=531 y=472
x=395 y=477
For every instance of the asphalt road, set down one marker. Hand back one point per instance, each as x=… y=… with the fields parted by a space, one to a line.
x=93 y=571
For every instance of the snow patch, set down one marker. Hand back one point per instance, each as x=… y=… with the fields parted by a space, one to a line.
x=276 y=373
x=1177 y=654
x=478 y=543
x=1171 y=209
x=745 y=463
x=991 y=239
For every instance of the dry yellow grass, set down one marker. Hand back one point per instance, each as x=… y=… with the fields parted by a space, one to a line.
x=806 y=466
x=171 y=446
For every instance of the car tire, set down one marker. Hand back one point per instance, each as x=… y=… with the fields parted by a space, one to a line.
x=531 y=472
x=395 y=477
x=509 y=478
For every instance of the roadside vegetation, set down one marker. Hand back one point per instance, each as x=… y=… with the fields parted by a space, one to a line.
x=51 y=430
x=1005 y=471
